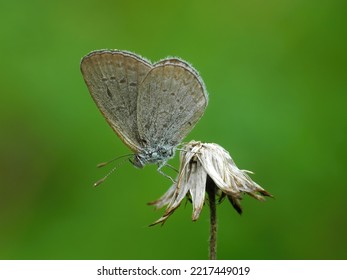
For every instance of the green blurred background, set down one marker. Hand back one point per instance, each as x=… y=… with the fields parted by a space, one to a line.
x=276 y=76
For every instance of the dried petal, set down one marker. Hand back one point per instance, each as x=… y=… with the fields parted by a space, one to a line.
x=165 y=199
x=197 y=179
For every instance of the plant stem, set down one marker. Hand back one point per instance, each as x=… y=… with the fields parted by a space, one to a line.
x=211 y=191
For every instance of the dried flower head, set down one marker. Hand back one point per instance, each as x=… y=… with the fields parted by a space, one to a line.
x=198 y=161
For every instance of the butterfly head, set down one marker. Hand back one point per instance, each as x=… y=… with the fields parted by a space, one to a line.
x=159 y=155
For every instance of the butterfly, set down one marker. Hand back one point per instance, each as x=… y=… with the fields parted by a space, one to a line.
x=151 y=107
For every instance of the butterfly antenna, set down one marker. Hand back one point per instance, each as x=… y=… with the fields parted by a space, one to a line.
x=102 y=164
x=111 y=171
x=105 y=177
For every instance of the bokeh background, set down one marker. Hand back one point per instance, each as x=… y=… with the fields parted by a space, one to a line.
x=276 y=76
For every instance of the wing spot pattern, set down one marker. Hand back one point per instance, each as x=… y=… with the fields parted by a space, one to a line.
x=109 y=92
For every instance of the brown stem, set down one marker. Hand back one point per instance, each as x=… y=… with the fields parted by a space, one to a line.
x=211 y=191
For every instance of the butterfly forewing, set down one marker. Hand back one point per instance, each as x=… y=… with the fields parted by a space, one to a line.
x=113 y=79
x=171 y=100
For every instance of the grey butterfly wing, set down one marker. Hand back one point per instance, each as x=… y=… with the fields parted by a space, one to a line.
x=172 y=98
x=113 y=79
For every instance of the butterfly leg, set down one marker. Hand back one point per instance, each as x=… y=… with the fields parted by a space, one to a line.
x=173 y=168
x=162 y=173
